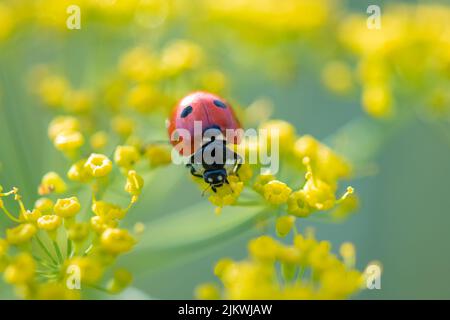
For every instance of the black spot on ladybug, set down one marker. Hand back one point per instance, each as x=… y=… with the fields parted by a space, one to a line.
x=220 y=104
x=186 y=111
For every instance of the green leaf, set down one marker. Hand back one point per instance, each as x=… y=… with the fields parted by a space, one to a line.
x=188 y=231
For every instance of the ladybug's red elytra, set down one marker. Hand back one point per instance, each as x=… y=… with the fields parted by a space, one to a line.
x=209 y=160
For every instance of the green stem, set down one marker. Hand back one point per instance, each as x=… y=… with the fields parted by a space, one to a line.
x=69 y=248
x=10 y=215
x=300 y=274
x=93 y=286
x=44 y=248
x=58 y=251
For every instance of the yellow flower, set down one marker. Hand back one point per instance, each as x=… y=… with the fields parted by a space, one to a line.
x=134 y=184
x=78 y=101
x=32 y=216
x=143 y=98
x=78 y=232
x=122 y=278
x=100 y=224
x=139 y=64
x=261 y=181
x=78 y=172
x=62 y=124
x=317 y=193
x=377 y=101
x=245 y=172
x=52 y=182
x=180 y=55
x=158 y=155
x=52 y=90
x=107 y=210
x=213 y=81
x=21 y=270
x=284 y=225
x=3 y=247
x=207 y=291
x=117 y=241
x=347 y=204
x=373 y=69
x=276 y=192
x=7 y=21
x=68 y=207
x=289 y=256
x=98 y=140
x=306 y=146
x=348 y=253
x=329 y=166
x=49 y=222
x=123 y=126
x=297 y=204
x=339 y=284
x=98 y=165
x=44 y=205
x=126 y=156
x=228 y=193
x=68 y=141
x=337 y=77
x=55 y=291
x=91 y=269
x=263 y=248
x=221 y=267
x=258 y=277
x=20 y=234
x=281 y=130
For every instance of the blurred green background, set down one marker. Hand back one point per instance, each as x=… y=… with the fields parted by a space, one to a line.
x=404 y=216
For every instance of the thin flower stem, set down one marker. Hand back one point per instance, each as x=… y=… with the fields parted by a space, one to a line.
x=10 y=216
x=93 y=286
x=44 y=248
x=69 y=248
x=300 y=274
x=58 y=251
x=295 y=229
x=88 y=250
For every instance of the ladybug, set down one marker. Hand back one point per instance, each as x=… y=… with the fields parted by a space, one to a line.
x=209 y=156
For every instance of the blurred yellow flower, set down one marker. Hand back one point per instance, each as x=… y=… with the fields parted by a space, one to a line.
x=98 y=165
x=67 y=208
x=20 y=234
x=117 y=241
x=21 y=270
x=276 y=192
x=52 y=182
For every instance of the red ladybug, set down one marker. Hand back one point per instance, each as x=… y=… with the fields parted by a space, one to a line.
x=212 y=112
x=209 y=109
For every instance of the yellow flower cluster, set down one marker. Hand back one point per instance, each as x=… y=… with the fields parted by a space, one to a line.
x=304 y=162
x=307 y=269
x=273 y=15
x=56 y=241
x=389 y=56
x=382 y=61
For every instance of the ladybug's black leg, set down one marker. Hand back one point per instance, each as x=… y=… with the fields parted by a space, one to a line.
x=213 y=189
x=193 y=172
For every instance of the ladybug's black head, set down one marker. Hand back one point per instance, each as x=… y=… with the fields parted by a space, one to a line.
x=215 y=178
